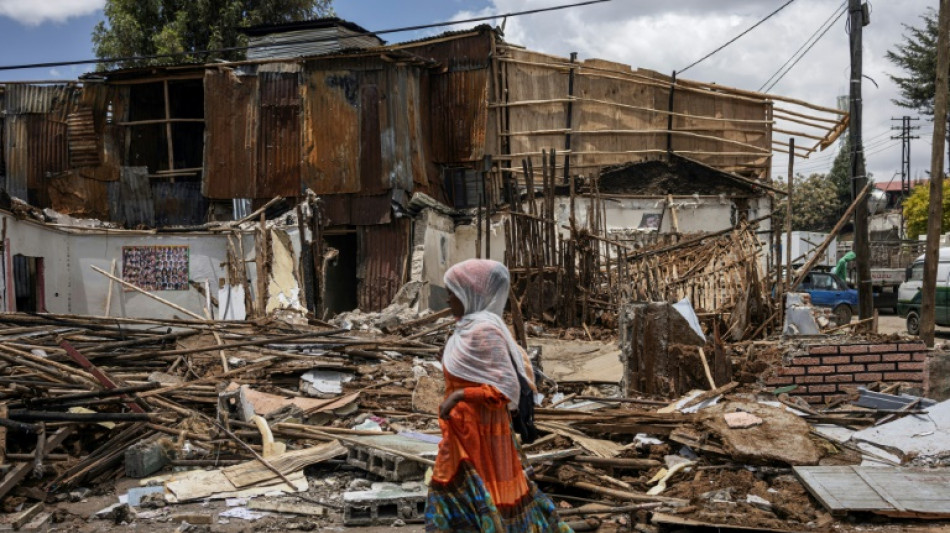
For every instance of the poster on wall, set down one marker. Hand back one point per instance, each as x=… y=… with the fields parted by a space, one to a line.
x=156 y=268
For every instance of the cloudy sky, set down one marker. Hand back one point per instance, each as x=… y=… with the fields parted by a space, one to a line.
x=662 y=35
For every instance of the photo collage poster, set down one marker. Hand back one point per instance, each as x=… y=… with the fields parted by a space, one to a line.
x=156 y=268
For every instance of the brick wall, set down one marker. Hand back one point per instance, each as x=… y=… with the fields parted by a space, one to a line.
x=827 y=372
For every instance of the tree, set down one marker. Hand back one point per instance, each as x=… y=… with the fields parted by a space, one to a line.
x=189 y=27
x=815 y=203
x=916 y=209
x=917 y=56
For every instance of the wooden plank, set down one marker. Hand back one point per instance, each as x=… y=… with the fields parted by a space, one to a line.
x=20 y=471
x=286 y=507
x=254 y=472
x=890 y=491
x=673 y=520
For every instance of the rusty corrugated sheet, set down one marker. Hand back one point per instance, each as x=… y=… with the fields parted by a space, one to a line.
x=371 y=163
x=371 y=210
x=39 y=99
x=331 y=131
x=231 y=124
x=179 y=203
x=280 y=136
x=36 y=149
x=337 y=209
x=382 y=257
x=83 y=140
x=72 y=194
x=130 y=198
x=458 y=115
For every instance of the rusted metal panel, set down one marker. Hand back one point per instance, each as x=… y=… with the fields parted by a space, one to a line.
x=36 y=148
x=280 y=136
x=75 y=195
x=231 y=124
x=458 y=115
x=130 y=199
x=82 y=138
x=371 y=171
x=332 y=132
x=24 y=99
x=178 y=203
x=383 y=251
x=371 y=210
x=337 y=209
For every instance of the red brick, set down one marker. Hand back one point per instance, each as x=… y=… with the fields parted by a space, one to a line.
x=903 y=376
x=893 y=357
x=853 y=348
x=778 y=380
x=822 y=350
x=836 y=359
x=920 y=356
x=882 y=348
x=806 y=361
x=839 y=378
x=823 y=369
x=814 y=400
x=829 y=398
x=792 y=371
x=870 y=358
x=822 y=388
x=850 y=368
x=869 y=377
x=810 y=379
x=882 y=367
x=910 y=366
x=913 y=346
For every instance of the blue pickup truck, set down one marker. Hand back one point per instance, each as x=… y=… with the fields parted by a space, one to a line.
x=827 y=290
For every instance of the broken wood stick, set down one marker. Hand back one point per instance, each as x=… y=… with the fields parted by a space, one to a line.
x=613 y=493
x=257 y=456
x=618 y=462
x=702 y=357
x=108 y=308
x=608 y=510
x=144 y=292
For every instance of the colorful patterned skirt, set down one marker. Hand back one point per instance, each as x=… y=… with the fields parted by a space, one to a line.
x=465 y=505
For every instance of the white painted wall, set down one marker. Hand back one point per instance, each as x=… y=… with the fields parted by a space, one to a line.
x=72 y=286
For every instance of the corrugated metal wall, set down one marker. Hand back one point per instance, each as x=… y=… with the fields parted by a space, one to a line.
x=231 y=112
x=279 y=142
x=382 y=257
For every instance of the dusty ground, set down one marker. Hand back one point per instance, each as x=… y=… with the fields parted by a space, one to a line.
x=888 y=324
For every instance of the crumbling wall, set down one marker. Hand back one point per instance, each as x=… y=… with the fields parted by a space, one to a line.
x=828 y=372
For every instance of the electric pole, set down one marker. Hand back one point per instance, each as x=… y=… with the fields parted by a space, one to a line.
x=856 y=21
x=935 y=214
x=905 y=138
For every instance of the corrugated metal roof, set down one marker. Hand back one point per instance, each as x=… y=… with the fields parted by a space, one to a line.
x=308 y=42
x=38 y=99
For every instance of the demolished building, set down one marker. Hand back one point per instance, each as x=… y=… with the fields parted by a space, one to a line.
x=381 y=133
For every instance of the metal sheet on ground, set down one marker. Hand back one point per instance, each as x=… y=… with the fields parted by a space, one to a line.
x=891 y=491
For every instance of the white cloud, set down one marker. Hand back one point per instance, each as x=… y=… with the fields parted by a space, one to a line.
x=35 y=12
x=667 y=36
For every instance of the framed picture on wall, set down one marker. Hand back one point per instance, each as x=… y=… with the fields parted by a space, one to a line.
x=156 y=268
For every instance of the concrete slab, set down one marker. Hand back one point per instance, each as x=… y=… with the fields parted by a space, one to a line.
x=580 y=361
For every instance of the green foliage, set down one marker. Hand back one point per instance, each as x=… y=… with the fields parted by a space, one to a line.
x=815 y=203
x=917 y=56
x=917 y=208
x=153 y=27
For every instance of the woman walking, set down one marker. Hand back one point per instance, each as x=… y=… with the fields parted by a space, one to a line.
x=478 y=483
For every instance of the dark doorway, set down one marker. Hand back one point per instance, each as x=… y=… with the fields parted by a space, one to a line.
x=28 y=284
x=340 y=283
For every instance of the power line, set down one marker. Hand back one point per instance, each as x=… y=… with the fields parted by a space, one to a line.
x=301 y=41
x=734 y=39
x=832 y=19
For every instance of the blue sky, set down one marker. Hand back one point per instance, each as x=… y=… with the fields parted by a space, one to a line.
x=652 y=34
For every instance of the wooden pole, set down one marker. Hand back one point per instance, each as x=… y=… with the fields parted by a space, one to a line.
x=788 y=216
x=858 y=172
x=109 y=294
x=146 y=293
x=820 y=251
x=935 y=213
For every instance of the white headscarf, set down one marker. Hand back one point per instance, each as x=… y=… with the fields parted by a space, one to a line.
x=479 y=349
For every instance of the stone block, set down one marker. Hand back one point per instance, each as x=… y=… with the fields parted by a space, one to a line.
x=384 y=504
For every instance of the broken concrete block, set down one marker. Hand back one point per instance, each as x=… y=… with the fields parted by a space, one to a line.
x=428 y=394
x=782 y=436
x=323 y=383
x=144 y=458
x=384 y=504
x=759 y=502
x=388 y=466
x=741 y=420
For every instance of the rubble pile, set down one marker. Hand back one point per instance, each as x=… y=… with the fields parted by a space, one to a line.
x=227 y=424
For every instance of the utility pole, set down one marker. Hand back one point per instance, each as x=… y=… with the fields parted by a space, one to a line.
x=905 y=138
x=935 y=213
x=857 y=19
